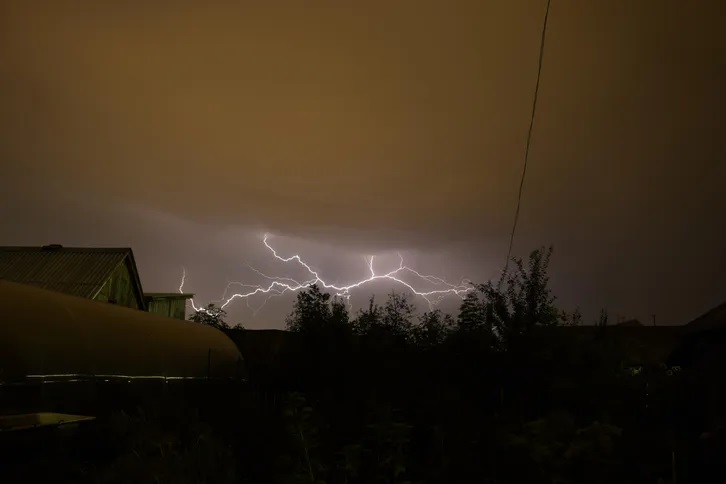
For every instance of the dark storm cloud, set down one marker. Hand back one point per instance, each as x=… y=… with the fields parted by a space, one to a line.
x=391 y=124
x=287 y=117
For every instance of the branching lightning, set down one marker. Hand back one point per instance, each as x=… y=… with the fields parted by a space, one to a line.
x=281 y=285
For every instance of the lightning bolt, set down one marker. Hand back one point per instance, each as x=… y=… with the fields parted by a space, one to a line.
x=280 y=285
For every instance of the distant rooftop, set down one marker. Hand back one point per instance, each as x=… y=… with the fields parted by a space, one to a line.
x=629 y=323
x=712 y=319
x=78 y=271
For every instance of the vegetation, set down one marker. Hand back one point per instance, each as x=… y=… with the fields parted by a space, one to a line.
x=213 y=316
x=512 y=389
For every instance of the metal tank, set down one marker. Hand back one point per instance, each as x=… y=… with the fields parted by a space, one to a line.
x=48 y=335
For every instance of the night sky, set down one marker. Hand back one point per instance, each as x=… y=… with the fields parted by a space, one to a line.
x=187 y=129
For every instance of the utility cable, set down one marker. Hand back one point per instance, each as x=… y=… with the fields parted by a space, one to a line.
x=529 y=139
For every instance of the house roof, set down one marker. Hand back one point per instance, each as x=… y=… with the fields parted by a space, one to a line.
x=78 y=271
x=712 y=319
x=651 y=344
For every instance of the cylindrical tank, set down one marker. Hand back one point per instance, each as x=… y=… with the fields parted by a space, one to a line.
x=44 y=333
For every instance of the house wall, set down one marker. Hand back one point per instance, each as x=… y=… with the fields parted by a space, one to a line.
x=119 y=289
x=169 y=307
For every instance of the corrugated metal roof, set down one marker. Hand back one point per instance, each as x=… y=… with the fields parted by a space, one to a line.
x=70 y=270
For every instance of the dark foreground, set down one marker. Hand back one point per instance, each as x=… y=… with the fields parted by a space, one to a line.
x=344 y=410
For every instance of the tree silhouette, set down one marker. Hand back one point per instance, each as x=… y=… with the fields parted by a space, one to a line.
x=520 y=301
x=432 y=329
x=315 y=311
x=339 y=316
x=310 y=311
x=368 y=319
x=397 y=317
x=210 y=315
x=602 y=320
x=574 y=318
x=472 y=316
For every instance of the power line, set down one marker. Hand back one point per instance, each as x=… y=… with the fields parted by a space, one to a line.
x=529 y=139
